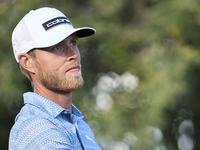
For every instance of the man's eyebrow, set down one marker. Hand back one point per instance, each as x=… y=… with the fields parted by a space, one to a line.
x=63 y=41
x=75 y=36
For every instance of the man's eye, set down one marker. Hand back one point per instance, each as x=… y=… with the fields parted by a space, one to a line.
x=73 y=43
x=58 y=47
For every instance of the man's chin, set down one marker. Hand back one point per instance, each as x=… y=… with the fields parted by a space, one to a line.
x=68 y=88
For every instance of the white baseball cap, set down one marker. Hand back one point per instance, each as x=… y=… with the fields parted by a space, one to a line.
x=43 y=28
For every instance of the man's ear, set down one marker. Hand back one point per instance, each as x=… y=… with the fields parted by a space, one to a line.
x=26 y=61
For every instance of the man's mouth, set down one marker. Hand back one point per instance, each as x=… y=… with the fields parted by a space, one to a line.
x=74 y=69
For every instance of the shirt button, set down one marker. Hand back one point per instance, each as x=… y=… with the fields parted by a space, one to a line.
x=65 y=112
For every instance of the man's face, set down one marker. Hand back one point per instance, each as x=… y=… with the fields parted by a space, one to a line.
x=58 y=67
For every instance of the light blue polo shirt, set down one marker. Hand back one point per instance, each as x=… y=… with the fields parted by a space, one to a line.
x=44 y=125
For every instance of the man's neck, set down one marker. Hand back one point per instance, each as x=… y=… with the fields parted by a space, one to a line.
x=62 y=99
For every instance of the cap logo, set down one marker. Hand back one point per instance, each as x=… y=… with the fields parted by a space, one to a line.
x=55 y=21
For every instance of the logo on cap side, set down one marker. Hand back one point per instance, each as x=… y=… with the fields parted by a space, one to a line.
x=55 y=21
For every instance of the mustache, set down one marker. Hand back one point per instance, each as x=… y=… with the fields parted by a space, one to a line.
x=76 y=65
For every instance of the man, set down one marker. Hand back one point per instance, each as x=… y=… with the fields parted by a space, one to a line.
x=45 y=46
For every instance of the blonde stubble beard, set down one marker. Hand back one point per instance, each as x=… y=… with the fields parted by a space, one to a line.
x=64 y=84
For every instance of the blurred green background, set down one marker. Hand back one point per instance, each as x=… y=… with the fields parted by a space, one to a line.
x=141 y=71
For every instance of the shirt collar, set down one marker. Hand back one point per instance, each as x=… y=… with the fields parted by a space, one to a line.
x=47 y=105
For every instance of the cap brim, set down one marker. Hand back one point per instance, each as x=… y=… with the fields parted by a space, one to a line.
x=80 y=32
x=84 y=32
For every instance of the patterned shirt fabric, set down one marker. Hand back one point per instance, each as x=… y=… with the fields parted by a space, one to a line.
x=44 y=125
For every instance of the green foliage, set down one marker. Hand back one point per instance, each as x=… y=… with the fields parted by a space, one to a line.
x=141 y=69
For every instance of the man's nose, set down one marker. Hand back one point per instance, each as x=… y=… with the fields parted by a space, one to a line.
x=73 y=54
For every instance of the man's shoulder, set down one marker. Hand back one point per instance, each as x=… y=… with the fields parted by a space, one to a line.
x=35 y=131
x=32 y=126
